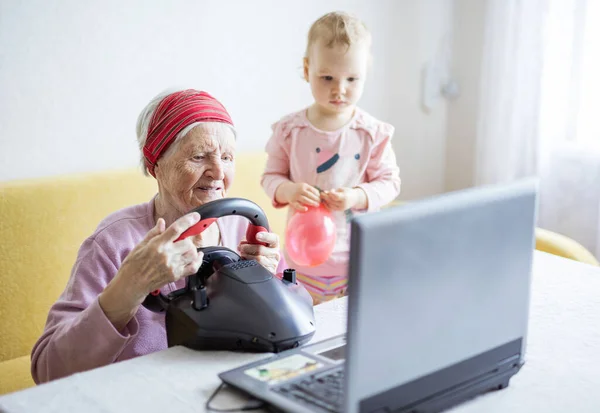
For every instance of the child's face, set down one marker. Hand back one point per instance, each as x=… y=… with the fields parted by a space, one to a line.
x=337 y=75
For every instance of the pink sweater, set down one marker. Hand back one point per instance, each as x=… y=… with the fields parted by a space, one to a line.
x=78 y=336
x=359 y=154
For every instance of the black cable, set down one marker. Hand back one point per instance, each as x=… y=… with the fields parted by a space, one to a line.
x=258 y=404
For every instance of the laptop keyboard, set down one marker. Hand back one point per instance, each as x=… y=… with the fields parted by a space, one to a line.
x=324 y=391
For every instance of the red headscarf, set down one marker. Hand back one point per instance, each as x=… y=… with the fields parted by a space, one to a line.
x=174 y=113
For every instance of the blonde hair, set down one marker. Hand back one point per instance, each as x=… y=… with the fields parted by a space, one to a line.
x=337 y=28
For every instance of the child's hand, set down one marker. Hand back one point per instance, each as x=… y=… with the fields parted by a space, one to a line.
x=341 y=199
x=298 y=195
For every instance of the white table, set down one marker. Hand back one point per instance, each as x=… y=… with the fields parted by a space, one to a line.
x=561 y=374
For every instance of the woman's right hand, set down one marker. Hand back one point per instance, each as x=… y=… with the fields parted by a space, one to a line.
x=157 y=260
x=298 y=195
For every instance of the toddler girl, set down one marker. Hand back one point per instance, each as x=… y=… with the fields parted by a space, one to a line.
x=332 y=152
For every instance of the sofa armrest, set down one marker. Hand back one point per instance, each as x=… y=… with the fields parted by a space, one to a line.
x=15 y=375
x=563 y=246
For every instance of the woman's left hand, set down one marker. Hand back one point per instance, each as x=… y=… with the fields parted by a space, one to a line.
x=267 y=255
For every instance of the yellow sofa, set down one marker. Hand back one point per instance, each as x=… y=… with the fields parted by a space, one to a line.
x=42 y=224
x=558 y=244
x=44 y=221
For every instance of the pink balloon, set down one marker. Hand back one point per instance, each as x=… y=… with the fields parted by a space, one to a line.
x=310 y=236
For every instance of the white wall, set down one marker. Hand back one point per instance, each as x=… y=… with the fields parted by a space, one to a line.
x=416 y=33
x=468 y=34
x=75 y=74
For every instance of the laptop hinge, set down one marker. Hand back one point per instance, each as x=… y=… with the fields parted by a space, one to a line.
x=447 y=387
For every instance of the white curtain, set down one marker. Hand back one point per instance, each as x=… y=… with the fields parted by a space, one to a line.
x=540 y=112
x=507 y=141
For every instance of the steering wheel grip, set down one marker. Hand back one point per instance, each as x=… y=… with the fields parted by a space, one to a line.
x=210 y=211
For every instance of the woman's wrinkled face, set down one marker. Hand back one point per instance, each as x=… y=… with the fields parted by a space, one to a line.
x=198 y=168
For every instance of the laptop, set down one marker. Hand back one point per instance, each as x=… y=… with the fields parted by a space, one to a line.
x=438 y=307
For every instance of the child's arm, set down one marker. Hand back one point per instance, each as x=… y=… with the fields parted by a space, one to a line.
x=277 y=169
x=297 y=195
x=383 y=175
x=276 y=178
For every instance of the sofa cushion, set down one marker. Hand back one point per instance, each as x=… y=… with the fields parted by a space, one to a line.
x=15 y=375
x=44 y=221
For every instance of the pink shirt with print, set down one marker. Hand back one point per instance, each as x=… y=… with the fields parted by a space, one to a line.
x=359 y=154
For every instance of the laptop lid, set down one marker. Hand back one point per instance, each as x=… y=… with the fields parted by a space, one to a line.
x=436 y=282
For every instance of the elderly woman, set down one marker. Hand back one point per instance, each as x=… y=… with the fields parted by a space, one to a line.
x=188 y=144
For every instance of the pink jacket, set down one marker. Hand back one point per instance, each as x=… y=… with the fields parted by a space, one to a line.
x=359 y=154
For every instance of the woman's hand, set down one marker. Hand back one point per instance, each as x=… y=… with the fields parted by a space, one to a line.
x=267 y=255
x=298 y=195
x=158 y=260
